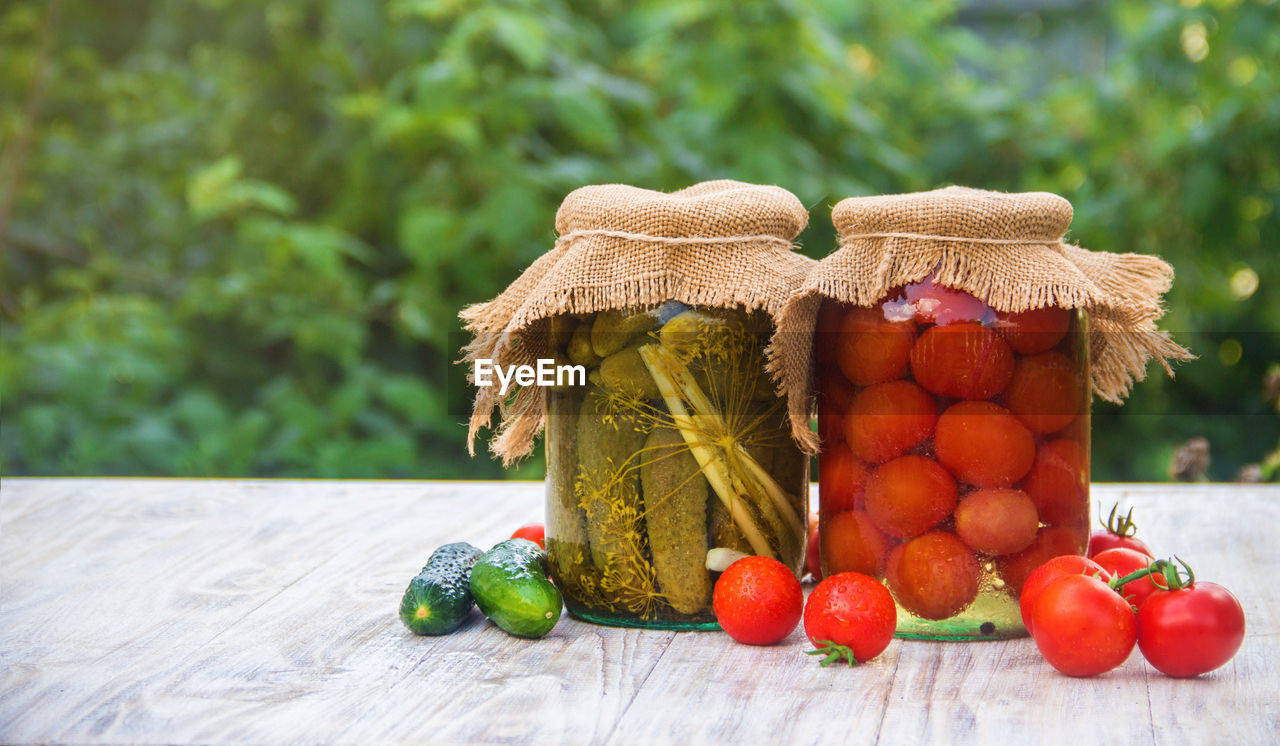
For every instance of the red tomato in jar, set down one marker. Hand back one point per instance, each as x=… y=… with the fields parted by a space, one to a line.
x=965 y=361
x=1034 y=331
x=872 y=349
x=841 y=480
x=887 y=419
x=1120 y=562
x=909 y=495
x=535 y=532
x=997 y=521
x=852 y=543
x=983 y=445
x=1190 y=631
x=1082 y=627
x=933 y=576
x=1045 y=394
x=1067 y=564
x=1058 y=483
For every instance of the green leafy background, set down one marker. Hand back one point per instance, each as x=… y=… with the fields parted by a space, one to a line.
x=236 y=234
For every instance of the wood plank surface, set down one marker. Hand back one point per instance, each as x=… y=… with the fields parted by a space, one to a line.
x=204 y=611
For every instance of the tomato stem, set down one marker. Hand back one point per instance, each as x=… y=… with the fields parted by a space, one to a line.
x=833 y=651
x=1122 y=526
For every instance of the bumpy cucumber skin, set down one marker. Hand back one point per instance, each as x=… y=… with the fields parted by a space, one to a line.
x=511 y=587
x=438 y=600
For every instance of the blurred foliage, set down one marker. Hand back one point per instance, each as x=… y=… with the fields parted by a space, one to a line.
x=236 y=234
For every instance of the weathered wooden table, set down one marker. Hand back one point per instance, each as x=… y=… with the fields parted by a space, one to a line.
x=194 y=611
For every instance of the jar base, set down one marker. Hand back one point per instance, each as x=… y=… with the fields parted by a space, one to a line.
x=612 y=621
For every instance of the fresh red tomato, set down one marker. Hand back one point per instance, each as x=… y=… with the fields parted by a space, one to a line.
x=1117 y=532
x=1190 y=631
x=933 y=576
x=1102 y=540
x=1067 y=564
x=813 y=554
x=757 y=600
x=872 y=349
x=909 y=495
x=852 y=543
x=983 y=445
x=535 y=532
x=850 y=615
x=1120 y=562
x=1082 y=627
x=1050 y=542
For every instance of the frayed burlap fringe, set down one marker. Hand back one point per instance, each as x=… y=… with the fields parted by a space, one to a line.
x=1005 y=249
x=720 y=243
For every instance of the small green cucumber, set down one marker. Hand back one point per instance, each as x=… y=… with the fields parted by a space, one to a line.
x=511 y=587
x=438 y=600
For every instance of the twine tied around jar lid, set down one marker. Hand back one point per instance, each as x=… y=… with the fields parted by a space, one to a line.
x=721 y=243
x=1006 y=250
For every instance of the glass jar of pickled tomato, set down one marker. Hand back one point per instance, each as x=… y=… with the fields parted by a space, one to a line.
x=955 y=452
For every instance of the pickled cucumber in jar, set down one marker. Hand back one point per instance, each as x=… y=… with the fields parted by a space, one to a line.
x=677 y=446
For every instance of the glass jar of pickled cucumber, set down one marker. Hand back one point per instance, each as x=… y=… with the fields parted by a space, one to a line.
x=955 y=456
x=675 y=458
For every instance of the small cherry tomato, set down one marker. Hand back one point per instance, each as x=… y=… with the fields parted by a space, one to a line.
x=887 y=419
x=1058 y=483
x=1120 y=562
x=966 y=361
x=909 y=495
x=841 y=478
x=535 y=532
x=1117 y=532
x=1036 y=330
x=852 y=543
x=757 y=600
x=1045 y=394
x=850 y=615
x=933 y=576
x=1067 y=564
x=997 y=521
x=983 y=445
x=1082 y=627
x=872 y=349
x=1191 y=630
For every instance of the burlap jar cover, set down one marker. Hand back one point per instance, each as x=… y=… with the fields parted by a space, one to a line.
x=719 y=243
x=1004 y=249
